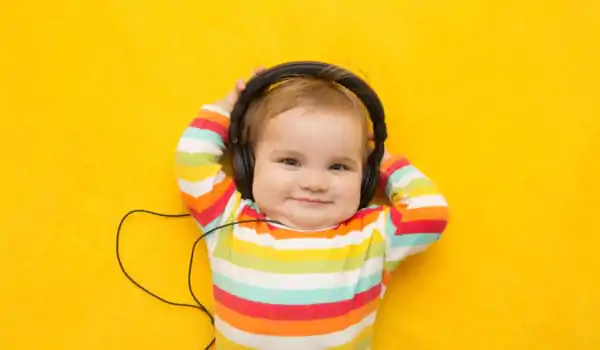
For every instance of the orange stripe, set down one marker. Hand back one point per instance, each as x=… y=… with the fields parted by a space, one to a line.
x=430 y=213
x=391 y=160
x=385 y=279
x=294 y=328
x=359 y=224
x=227 y=344
x=281 y=233
x=201 y=203
x=214 y=117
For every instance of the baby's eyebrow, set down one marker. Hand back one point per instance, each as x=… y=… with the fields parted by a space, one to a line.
x=287 y=151
x=345 y=159
x=292 y=152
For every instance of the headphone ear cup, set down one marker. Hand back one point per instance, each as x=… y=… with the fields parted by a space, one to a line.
x=239 y=170
x=370 y=180
x=248 y=171
x=364 y=191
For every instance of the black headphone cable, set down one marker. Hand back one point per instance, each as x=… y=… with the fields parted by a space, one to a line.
x=198 y=305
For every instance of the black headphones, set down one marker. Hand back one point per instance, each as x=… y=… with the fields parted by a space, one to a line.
x=243 y=160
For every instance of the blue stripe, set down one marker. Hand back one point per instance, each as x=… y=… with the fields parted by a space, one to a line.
x=295 y=297
x=390 y=228
x=203 y=134
x=397 y=175
x=216 y=222
x=413 y=239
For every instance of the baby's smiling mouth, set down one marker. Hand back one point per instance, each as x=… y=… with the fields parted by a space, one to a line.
x=311 y=200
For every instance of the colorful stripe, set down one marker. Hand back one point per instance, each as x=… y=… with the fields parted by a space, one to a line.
x=277 y=288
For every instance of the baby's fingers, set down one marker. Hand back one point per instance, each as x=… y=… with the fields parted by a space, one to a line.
x=240 y=85
x=259 y=70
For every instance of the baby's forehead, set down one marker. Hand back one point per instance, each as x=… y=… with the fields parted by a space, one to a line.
x=314 y=132
x=307 y=115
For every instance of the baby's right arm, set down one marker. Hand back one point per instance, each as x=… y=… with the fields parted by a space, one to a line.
x=209 y=194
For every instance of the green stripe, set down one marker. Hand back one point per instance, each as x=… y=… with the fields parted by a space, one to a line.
x=195 y=159
x=277 y=266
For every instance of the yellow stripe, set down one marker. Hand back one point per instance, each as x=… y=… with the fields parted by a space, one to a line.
x=346 y=252
x=197 y=173
x=421 y=185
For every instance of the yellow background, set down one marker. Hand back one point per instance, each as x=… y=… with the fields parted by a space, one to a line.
x=497 y=101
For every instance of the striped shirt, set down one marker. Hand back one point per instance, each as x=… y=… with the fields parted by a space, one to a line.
x=284 y=289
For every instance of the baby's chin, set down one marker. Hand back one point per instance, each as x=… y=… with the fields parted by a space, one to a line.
x=306 y=223
x=309 y=226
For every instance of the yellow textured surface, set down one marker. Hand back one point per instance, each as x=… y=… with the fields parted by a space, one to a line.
x=497 y=101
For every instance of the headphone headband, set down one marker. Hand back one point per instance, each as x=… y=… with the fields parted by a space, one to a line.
x=255 y=87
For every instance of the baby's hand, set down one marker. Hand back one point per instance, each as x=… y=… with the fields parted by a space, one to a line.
x=229 y=101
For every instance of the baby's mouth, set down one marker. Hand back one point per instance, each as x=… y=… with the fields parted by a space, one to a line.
x=311 y=200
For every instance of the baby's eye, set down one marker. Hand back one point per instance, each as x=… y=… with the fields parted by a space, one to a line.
x=339 y=167
x=289 y=161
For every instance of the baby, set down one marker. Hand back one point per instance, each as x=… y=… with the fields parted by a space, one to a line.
x=314 y=279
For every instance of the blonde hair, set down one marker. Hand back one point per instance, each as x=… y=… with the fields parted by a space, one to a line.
x=304 y=92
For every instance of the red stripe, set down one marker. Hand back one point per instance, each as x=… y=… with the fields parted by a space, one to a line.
x=251 y=213
x=396 y=217
x=365 y=212
x=397 y=165
x=422 y=226
x=206 y=124
x=384 y=175
x=217 y=208
x=295 y=312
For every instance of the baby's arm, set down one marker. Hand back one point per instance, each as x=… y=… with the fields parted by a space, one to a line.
x=207 y=191
x=209 y=194
x=419 y=212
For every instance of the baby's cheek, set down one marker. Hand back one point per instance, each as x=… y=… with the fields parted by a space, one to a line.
x=272 y=177
x=351 y=188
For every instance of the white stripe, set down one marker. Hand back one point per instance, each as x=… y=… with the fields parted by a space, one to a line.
x=230 y=202
x=307 y=281
x=401 y=252
x=315 y=342
x=408 y=178
x=198 y=188
x=211 y=241
x=215 y=108
x=192 y=145
x=266 y=240
x=213 y=238
x=434 y=200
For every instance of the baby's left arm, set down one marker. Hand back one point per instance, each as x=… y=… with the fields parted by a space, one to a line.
x=419 y=212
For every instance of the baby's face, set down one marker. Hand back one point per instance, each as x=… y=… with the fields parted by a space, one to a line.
x=308 y=168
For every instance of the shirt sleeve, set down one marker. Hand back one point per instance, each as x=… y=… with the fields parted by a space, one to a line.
x=418 y=214
x=209 y=194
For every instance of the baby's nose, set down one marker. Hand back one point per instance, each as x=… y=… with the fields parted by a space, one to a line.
x=314 y=181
